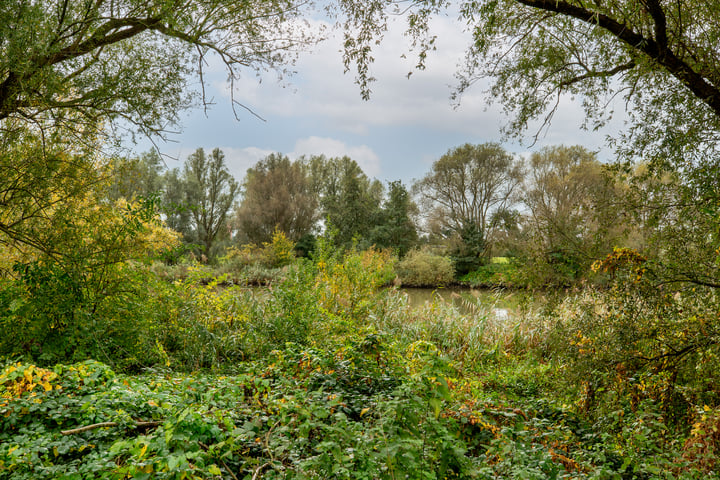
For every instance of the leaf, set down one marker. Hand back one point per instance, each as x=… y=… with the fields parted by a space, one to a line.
x=214 y=470
x=436 y=403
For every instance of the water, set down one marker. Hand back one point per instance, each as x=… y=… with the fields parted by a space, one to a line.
x=502 y=303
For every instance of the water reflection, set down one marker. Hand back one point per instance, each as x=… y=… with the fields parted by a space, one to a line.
x=467 y=301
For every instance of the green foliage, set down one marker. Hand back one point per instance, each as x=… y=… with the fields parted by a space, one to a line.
x=493 y=275
x=323 y=377
x=421 y=268
x=73 y=66
x=82 y=297
x=349 y=200
x=395 y=228
x=304 y=413
x=277 y=253
x=469 y=253
x=210 y=192
x=347 y=285
x=465 y=194
x=276 y=196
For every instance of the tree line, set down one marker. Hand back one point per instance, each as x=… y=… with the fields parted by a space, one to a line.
x=553 y=213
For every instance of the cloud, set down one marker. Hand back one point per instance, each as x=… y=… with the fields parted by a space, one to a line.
x=363 y=155
x=238 y=160
x=321 y=87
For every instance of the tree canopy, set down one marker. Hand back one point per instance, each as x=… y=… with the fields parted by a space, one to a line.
x=660 y=57
x=74 y=63
x=276 y=195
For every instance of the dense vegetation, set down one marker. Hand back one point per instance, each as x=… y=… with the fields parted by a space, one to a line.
x=130 y=347
x=326 y=375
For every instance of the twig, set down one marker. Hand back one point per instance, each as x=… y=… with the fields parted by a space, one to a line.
x=206 y=448
x=259 y=469
x=107 y=424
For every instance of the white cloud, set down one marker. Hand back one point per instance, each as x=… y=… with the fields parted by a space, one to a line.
x=362 y=154
x=238 y=160
x=322 y=88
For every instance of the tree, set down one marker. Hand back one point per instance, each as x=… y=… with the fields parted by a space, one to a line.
x=277 y=194
x=349 y=200
x=210 y=194
x=137 y=177
x=660 y=56
x=677 y=216
x=463 y=191
x=73 y=74
x=73 y=63
x=572 y=220
x=174 y=205
x=395 y=228
x=67 y=289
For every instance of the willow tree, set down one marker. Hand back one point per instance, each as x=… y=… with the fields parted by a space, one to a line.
x=210 y=192
x=277 y=195
x=464 y=191
x=130 y=59
x=661 y=57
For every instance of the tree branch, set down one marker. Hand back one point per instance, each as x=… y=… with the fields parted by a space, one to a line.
x=656 y=49
x=137 y=424
x=594 y=74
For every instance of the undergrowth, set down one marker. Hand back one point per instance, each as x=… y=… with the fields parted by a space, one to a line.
x=326 y=375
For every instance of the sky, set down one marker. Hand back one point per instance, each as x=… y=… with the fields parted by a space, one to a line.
x=408 y=123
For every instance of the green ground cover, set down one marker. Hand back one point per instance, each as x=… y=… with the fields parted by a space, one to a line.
x=330 y=376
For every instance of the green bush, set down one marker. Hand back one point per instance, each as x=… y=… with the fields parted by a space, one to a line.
x=492 y=275
x=421 y=268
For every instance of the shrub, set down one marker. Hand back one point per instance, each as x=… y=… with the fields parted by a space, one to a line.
x=347 y=285
x=491 y=275
x=421 y=268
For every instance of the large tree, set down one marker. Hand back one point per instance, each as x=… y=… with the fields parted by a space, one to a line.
x=658 y=61
x=136 y=177
x=464 y=190
x=129 y=59
x=662 y=57
x=72 y=73
x=395 y=227
x=210 y=194
x=276 y=194
x=573 y=217
x=349 y=200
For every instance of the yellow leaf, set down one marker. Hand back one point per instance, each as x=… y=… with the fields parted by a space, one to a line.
x=55 y=451
x=28 y=373
x=47 y=386
x=143 y=450
x=152 y=403
x=364 y=411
